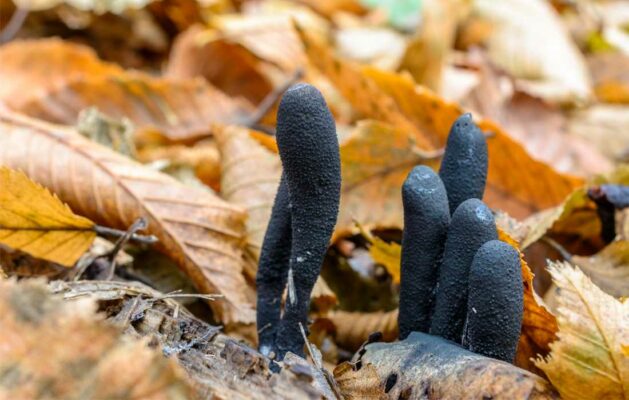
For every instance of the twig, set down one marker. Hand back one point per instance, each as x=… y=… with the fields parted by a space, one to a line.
x=139 y=224
x=317 y=362
x=559 y=248
x=253 y=120
x=14 y=25
x=105 y=231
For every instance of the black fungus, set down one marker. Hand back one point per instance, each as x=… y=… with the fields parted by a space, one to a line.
x=495 y=303
x=472 y=226
x=464 y=166
x=426 y=219
x=309 y=150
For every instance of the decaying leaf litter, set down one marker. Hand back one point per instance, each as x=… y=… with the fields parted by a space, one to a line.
x=134 y=121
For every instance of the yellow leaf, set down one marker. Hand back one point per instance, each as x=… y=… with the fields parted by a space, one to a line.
x=35 y=221
x=386 y=254
x=587 y=360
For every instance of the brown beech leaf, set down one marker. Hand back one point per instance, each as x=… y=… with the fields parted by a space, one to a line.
x=354 y=328
x=588 y=360
x=250 y=176
x=201 y=232
x=179 y=109
x=55 y=349
x=227 y=65
x=516 y=183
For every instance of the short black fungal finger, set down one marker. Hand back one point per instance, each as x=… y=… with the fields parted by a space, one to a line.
x=464 y=166
x=472 y=225
x=309 y=150
x=495 y=302
x=273 y=269
x=426 y=219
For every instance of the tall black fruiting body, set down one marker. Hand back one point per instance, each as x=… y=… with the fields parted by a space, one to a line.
x=457 y=280
x=471 y=226
x=464 y=166
x=495 y=302
x=426 y=219
x=303 y=217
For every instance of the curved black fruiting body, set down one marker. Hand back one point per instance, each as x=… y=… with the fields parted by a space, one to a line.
x=472 y=225
x=464 y=166
x=608 y=198
x=273 y=269
x=426 y=219
x=495 y=303
x=309 y=150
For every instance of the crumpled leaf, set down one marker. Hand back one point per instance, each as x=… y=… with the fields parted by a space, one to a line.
x=201 y=232
x=233 y=69
x=608 y=269
x=178 y=109
x=35 y=221
x=57 y=349
x=587 y=361
x=555 y=71
x=516 y=182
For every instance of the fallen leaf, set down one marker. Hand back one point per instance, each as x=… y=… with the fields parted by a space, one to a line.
x=250 y=176
x=375 y=160
x=202 y=233
x=605 y=127
x=516 y=182
x=58 y=349
x=608 y=269
x=387 y=254
x=353 y=328
x=179 y=109
x=227 y=65
x=556 y=71
x=610 y=74
x=587 y=361
x=35 y=221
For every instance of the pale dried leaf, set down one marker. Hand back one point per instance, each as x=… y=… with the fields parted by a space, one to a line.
x=587 y=361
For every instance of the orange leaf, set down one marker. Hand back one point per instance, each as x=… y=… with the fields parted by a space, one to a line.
x=516 y=182
x=179 y=109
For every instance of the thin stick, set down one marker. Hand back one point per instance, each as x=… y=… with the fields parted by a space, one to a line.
x=267 y=103
x=105 y=231
x=14 y=25
x=139 y=224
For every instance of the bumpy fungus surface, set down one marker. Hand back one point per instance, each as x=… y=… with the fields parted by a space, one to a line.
x=472 y=225
x=464 y=166
x=426 y=219
x=273 y=269
x=309 y=150
x=495 y=302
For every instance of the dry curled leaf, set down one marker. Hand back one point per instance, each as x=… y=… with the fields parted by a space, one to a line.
x=587 y=361
x=202 y=233
x=35 y=221
x=57 y=349
x=609 y=268
x=516 y=182
x=178 y=109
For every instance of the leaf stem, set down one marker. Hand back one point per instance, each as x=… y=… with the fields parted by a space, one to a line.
x=105 y=231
